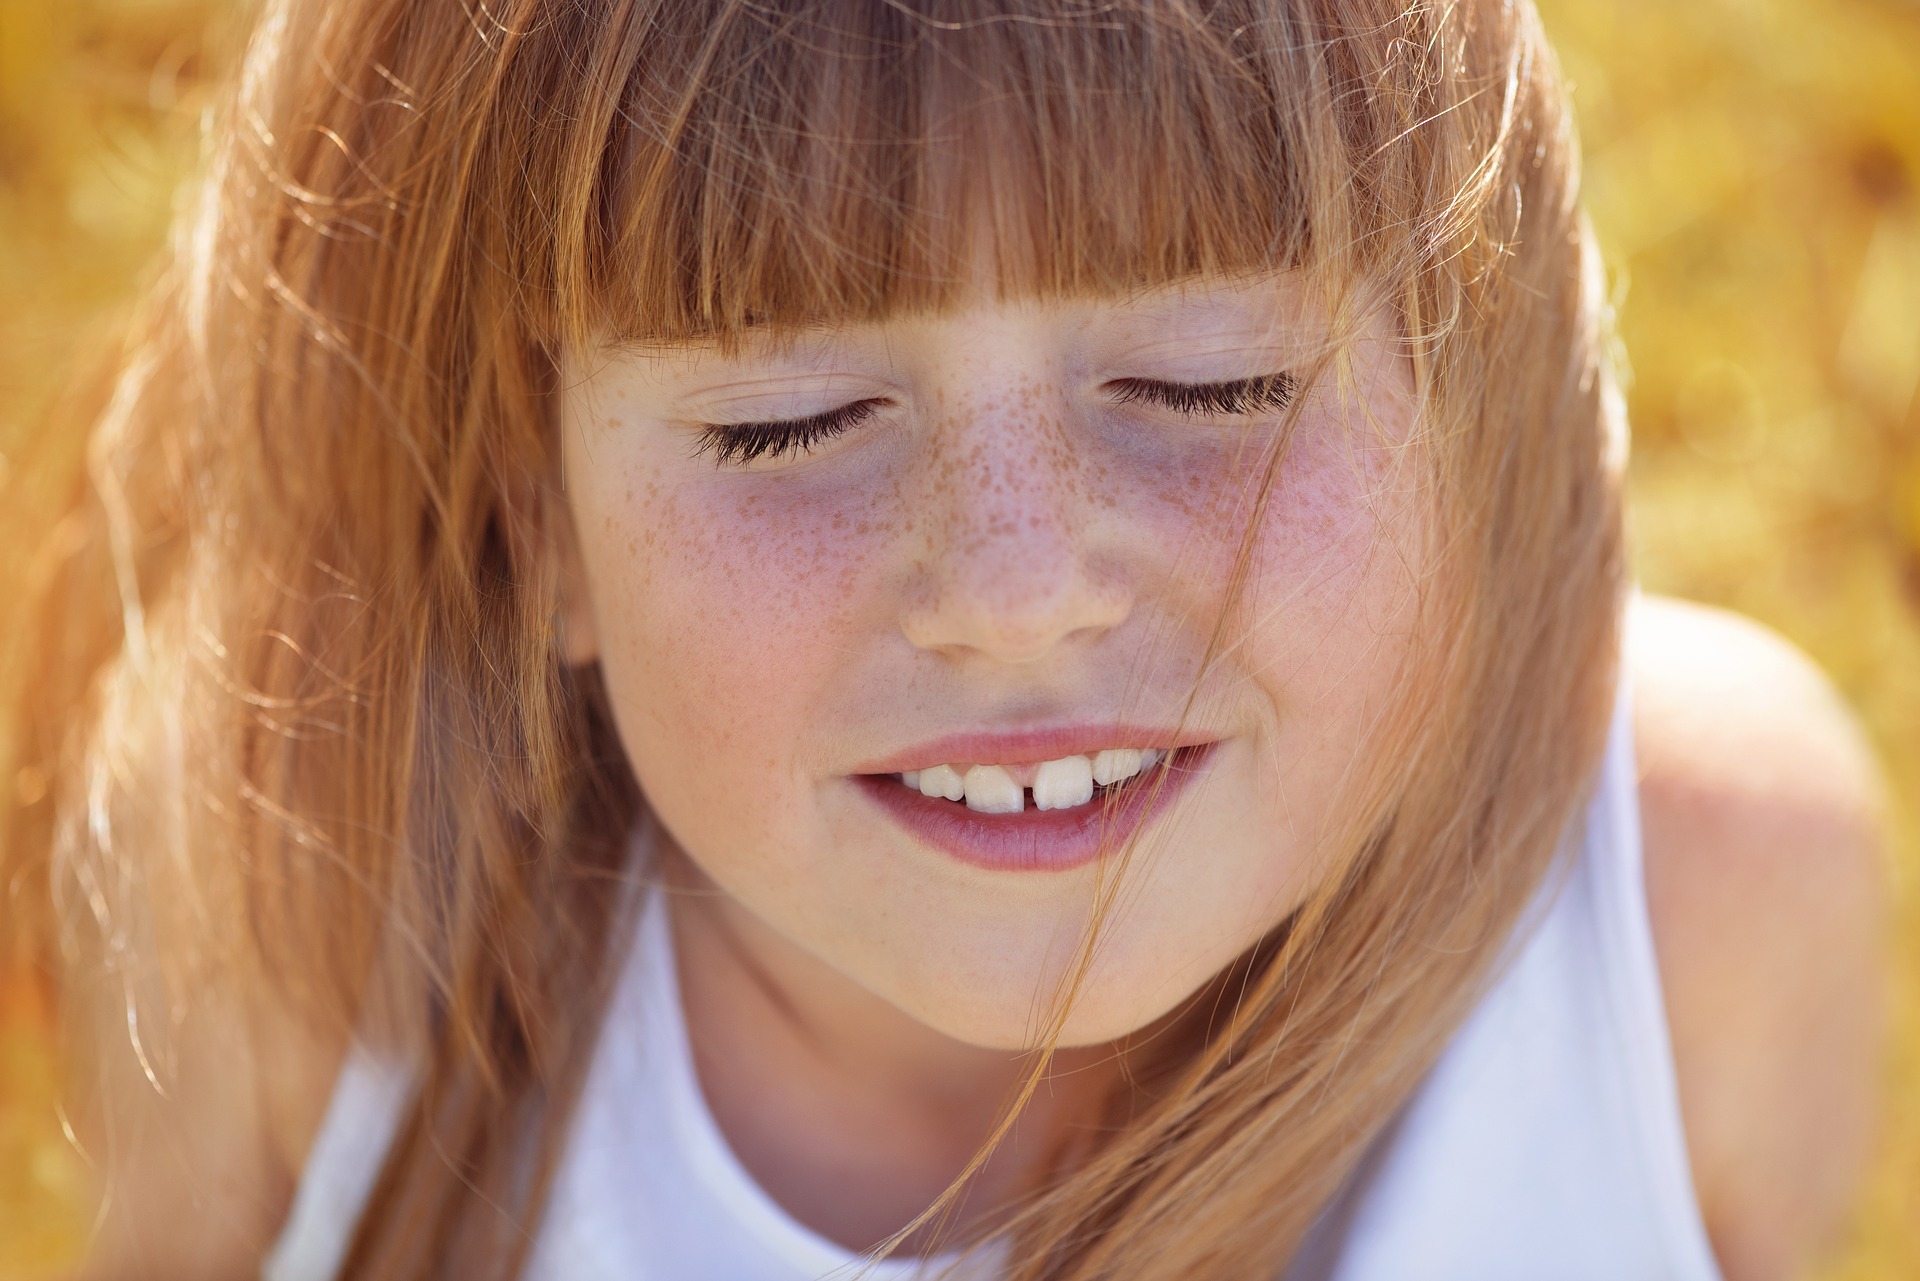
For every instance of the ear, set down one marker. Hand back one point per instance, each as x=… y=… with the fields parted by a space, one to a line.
x=573 y=610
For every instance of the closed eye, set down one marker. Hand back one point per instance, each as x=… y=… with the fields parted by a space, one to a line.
x=736 y=444
x=1267 y=393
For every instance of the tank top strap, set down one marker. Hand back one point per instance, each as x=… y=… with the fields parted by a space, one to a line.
x=1614 y=865
x=1546 y=1141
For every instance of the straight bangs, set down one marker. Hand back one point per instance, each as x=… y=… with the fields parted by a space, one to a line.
x=807 y=162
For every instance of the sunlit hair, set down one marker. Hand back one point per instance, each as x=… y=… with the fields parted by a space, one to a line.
x=293 y=668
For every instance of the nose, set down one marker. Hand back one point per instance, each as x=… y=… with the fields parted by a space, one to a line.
x=1016 y=566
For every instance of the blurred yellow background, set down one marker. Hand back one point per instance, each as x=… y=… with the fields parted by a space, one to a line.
x=1753 y=169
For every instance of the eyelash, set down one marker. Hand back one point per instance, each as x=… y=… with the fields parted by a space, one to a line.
x=736 y=444
x=1270 y=392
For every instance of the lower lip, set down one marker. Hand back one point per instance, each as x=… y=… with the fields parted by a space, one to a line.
x=1037 y=840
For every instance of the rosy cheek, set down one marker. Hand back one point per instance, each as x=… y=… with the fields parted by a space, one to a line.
x=744 y=597
x=1189 y=511
x=1335 y=574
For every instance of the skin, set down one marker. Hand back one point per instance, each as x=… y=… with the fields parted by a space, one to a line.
x=1002 y=544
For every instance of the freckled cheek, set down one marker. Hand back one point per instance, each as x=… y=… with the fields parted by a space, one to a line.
x=739 y=625
x=1194 y=503
x=1334 y=577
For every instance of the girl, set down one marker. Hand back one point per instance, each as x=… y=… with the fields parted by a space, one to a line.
x=904 y=637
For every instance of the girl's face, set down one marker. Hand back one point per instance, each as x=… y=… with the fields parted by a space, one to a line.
x=836 y=580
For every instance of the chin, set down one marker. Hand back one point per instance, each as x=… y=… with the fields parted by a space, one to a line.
x=1101 y=1014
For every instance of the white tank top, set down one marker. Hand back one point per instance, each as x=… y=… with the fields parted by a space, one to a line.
x=1545 y=1144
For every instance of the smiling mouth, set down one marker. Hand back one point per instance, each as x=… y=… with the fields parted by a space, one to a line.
x=1063 y=784
x=1052 y=816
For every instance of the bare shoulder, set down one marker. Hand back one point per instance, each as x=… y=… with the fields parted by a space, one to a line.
x=1762 y=814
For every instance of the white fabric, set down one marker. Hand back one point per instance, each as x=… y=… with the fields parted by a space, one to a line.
x=341 y=1168
x=650 y=1191
x=1545 y=1145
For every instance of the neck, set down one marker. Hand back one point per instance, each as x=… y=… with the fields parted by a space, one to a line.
x=851 y=1114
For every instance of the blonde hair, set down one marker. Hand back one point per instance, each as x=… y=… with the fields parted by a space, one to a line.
x=295 y=674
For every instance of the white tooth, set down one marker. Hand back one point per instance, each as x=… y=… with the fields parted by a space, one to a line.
x=1115 y=764
x=1063 y=784
x=1151 y=757
x=991 y=790
x=942 y=781
x=911 y=778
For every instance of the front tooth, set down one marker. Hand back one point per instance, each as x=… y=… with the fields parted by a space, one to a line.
x=942 y=781
x=1116 y=764
x=1063 y=784
x=991 y=790
x=1151 y=757
x=911 y=778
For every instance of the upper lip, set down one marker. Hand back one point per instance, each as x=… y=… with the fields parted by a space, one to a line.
x=1032 y=746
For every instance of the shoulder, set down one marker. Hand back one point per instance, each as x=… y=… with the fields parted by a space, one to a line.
x=1762 y=819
